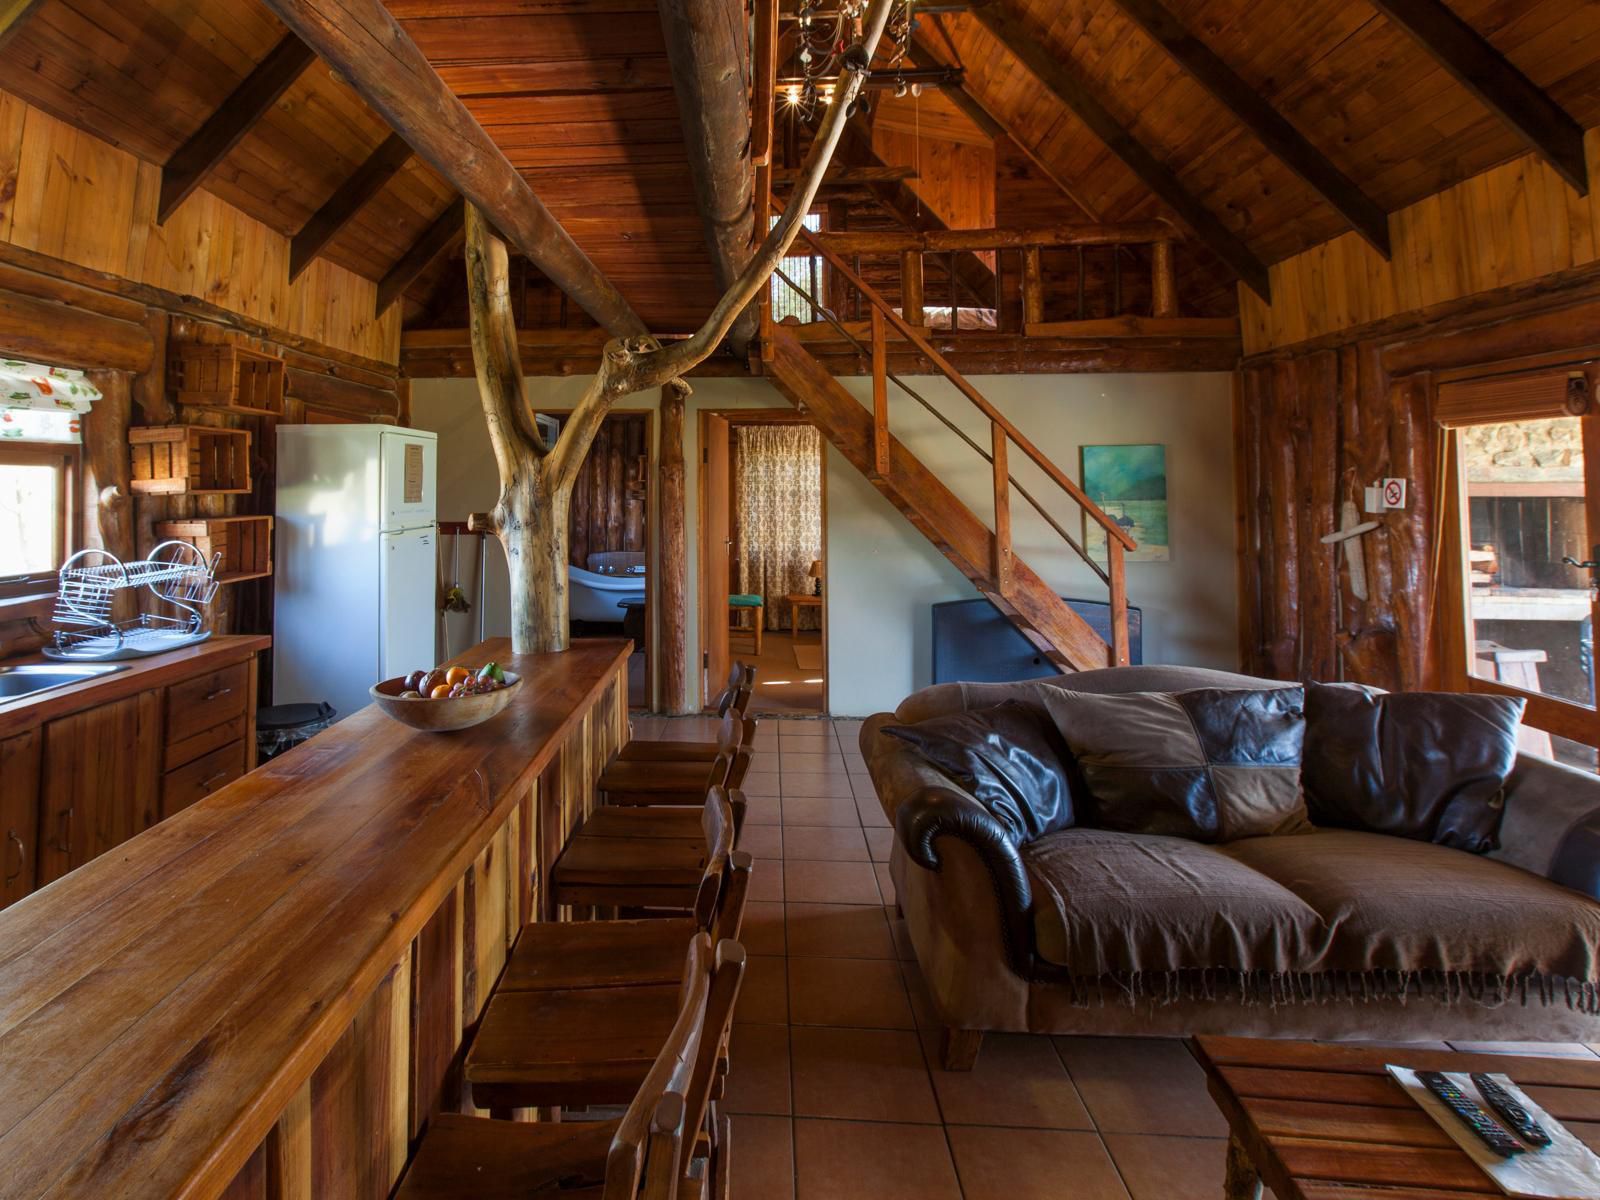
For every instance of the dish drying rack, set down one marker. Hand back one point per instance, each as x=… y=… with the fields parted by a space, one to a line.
x=88 y=584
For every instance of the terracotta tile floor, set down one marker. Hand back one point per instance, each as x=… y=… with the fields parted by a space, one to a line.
x=835 y=1090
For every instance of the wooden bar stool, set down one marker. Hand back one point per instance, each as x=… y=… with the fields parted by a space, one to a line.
x=667 y=751
x=639 y=782
x=649 y=1154
x=661 y=820
x=644 y=872
x=573 y=955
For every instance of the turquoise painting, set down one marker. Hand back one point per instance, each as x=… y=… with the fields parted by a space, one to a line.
x=1130 y=484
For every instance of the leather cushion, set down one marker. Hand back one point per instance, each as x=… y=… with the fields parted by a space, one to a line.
x=1425 y=765
x=1212 y=764
x=1009 y=757
x=1396 y=904
x=1112 y=903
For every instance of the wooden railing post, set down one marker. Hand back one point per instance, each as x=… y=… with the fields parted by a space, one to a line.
x=880 y=396
x=1032 y=288
x=1119 y=603
x=1002 y=510
x=1163 y=281
x=911 y=287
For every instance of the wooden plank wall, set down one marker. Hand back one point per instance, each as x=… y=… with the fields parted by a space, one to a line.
x=1514 y=223
x=71 y=196
x=351 y=1127
x=1316 y=423
x=608 y=499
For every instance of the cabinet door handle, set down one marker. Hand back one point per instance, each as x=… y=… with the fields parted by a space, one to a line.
x=217 y=695
x=214 y=780
x=22 y=855
x=64 y=841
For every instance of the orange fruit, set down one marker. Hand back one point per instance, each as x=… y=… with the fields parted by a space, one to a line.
x=457 y=675
x=440 y=693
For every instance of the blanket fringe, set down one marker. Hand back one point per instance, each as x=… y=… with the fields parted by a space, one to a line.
x=1278 y=988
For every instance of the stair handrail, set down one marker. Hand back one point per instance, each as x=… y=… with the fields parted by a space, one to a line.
x=1114 y=532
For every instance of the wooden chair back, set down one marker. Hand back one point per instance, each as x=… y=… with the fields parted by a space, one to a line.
x=735 y=891
x=726 y=977
x=717 y=824
x=646 y=1153
x=736 y=693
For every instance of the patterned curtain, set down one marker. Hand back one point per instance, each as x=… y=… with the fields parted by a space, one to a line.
x=780 y=514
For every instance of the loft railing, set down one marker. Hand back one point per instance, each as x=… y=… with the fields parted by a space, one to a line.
x=1104 y=265
x=1003 y=435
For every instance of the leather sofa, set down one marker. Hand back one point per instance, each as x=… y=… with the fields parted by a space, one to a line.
x=1368 y=936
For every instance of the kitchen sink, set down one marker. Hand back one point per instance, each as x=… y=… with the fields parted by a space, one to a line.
x=31 y=678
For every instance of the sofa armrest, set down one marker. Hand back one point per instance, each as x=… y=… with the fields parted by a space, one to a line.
x=936 y=812
x=1551 y=824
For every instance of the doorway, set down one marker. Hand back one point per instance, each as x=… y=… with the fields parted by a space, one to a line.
x=763 y=566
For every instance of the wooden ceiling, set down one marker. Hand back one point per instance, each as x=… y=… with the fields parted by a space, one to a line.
x=578 y=95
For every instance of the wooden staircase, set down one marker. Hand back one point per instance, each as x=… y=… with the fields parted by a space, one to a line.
x=982 y=554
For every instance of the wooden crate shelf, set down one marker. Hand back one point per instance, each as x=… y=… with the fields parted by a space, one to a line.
x=230 y=378
x=245 y=543
x=194 y=460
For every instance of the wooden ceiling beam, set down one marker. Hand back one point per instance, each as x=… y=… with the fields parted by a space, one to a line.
x=13 y=15
x=382 y=165
x=377 y=58
x=1031 y=50
x=225 y=128
x=706 y=48
x=1252 y=110
x=844 y=176
x=440 y=238
x=1546 y=127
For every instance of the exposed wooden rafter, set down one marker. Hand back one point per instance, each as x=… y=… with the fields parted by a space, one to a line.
x=1484 y=71
x=707 y=48
x=366 y=182
x=439 y=238
x=1032 y=51
x=1252 y=110
x=842 y=176
x=225 y=128
x=376 y=57
x=13 y=13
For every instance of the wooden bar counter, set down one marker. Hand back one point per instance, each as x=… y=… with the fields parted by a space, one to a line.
x=265 y=996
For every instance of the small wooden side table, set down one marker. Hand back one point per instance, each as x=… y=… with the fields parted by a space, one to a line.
x=1323 y=1121
x=798 y=601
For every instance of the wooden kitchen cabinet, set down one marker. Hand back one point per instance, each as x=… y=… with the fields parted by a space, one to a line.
x=19 y=814
x=100 y=783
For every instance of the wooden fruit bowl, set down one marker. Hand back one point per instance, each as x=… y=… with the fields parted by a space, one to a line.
x=443 y=716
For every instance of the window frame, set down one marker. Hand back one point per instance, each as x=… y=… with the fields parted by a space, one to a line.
x=1551 y=714
x=68 y=458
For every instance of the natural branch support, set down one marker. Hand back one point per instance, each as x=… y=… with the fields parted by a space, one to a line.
x=536 y=480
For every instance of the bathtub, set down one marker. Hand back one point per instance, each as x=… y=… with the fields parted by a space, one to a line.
x=592 y=597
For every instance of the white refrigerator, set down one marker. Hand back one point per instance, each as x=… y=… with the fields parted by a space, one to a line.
x=355 y=573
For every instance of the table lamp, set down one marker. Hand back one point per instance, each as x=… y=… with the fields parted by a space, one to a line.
x=815 y=571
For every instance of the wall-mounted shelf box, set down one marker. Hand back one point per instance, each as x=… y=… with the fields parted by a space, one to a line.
x=230 y=378
x=194 y=460
x=245 y=543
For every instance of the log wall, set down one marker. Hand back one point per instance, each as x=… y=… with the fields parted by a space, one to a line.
x=70 y=196
x=1317 y=422
x=1514 y=223
x=608 y=499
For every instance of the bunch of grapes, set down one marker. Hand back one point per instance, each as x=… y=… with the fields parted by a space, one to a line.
x=477 y=685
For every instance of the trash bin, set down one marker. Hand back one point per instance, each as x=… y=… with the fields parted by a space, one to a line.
x=282 y=726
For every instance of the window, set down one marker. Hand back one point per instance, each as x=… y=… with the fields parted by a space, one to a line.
x=806 y=271
x=37 y=512
x=1521 y=605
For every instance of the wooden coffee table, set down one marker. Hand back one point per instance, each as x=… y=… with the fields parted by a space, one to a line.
x=1323 y=1121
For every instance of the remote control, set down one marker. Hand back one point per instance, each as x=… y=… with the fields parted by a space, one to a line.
x=1512 y=1113
x=1489 y=1131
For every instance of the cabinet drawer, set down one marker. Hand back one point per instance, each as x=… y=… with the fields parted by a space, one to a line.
x=197 y=780
x=206 y=701
x=186 y=750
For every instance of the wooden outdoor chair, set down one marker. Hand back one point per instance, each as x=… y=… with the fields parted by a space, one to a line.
x=652 y=1153
x=644 y=872
x=641 y=782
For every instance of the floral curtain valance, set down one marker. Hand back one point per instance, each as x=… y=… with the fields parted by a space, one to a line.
x=40 y=403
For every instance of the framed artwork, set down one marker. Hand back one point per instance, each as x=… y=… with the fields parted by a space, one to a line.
x=1129 y=483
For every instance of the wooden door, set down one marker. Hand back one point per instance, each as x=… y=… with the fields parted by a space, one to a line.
x=715 y=443
x=101 y=781
x=19 y=814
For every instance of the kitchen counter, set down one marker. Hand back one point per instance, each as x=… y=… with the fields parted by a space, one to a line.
x=272 y=984
x=141 y=674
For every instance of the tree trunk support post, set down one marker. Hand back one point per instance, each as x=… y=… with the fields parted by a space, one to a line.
x=673 y=554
